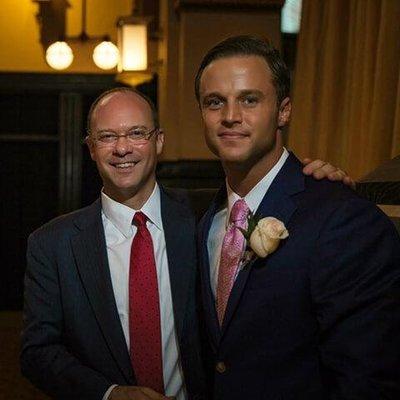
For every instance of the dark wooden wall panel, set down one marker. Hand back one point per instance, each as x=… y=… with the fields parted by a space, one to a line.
x=29 y=179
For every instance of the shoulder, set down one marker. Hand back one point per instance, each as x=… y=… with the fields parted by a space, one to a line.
x=193 y=201
x=335 y=205
x=325 y=190
x=66 y=224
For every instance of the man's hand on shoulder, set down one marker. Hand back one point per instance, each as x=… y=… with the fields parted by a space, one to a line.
x=320 y=169
x=136 y=393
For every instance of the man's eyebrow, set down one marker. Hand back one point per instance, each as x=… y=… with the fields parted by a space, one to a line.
x=212 y=94
x=244 y=92
x=137 y=127
x=129 y=129
x=252 y=91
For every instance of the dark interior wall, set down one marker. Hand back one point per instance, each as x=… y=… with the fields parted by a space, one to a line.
x=41 y=125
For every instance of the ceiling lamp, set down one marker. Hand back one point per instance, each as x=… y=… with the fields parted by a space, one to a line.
x=59 y=55
x=106 y=55
x=133 y=66
x=132 y=43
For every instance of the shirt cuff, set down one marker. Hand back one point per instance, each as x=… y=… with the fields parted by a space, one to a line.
x=106 y=394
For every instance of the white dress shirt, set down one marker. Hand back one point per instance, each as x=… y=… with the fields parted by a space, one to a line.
x=221 y=218
x=119 y=233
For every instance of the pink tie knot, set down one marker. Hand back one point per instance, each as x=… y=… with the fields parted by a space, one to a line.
x=139 y=219
x=239 y=212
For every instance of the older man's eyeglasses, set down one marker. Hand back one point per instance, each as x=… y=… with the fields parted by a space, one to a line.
x=135 y=136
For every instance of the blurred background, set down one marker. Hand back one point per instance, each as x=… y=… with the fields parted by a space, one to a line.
x=56 y=56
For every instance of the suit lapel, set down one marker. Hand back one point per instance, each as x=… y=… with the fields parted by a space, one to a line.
x=278 y=203
x=89 y=248
x=207 y=294
x=179 y=231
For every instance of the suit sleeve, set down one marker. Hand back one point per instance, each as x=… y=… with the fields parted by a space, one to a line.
x=356 y=293
x=45 y=360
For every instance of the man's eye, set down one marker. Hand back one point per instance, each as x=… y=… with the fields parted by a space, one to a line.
x=136 y=134
x=250 y=100
x=107 y=137
x=213 y=103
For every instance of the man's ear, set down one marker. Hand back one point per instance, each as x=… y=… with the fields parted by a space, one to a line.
x=285 y=109
x=160 y=142
x=90 y=145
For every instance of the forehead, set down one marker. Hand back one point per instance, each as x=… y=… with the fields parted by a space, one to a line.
x=236 y=73
x=121 y=109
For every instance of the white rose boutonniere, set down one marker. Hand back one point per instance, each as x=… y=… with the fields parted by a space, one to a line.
x=263 y=235
x=266 y=236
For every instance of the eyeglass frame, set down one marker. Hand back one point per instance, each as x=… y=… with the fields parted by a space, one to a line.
x=147 y=136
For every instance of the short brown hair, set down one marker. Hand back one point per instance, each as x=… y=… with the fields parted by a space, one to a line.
x=247 y=45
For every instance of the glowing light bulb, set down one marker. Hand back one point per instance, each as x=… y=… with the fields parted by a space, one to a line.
x=106 y=55
x=59 y=55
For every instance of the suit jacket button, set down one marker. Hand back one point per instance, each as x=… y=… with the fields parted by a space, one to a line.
x=220 y=367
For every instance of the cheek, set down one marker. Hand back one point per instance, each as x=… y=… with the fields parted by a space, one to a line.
x=97 y=155
x=264 y=122
x=210 y=119
x=148 y=153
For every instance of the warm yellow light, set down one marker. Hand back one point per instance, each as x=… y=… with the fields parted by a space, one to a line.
x=59 y=55
x=132 y=43
x=106 y=55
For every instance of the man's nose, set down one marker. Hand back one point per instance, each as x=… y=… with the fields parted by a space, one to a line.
x=122 y=145
x=232 y=114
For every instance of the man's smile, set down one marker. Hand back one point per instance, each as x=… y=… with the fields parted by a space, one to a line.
x=228 y=134
x=124 y=165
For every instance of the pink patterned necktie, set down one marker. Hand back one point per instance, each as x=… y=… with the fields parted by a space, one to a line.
x=231 y=254
x=144 y=310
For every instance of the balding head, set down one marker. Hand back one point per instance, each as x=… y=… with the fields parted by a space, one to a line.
x=109 y=94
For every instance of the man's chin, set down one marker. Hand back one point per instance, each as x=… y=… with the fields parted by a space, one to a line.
x=121 y=190
x=233 y=157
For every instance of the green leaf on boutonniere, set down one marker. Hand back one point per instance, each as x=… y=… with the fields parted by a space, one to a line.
x=252 y=222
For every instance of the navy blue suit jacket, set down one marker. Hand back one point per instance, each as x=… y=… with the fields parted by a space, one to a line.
x=73 y=345
x=320 y=317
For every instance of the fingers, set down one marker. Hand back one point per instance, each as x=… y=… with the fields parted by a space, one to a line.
x=153 y=395
x=136 y=393
x=340 y=175
x=317 y=168
x=320 y=169
x=336 y=175
x=349 y=182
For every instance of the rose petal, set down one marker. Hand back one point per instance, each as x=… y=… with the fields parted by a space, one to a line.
x=256 y=243
x=273 y=227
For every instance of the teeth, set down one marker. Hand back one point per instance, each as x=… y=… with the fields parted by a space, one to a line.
x=125 y=165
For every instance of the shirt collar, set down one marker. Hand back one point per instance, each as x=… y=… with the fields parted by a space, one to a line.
x=121 y=215
x=255 y=196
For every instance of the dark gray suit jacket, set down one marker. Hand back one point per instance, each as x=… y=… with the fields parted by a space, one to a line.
x=73 y=345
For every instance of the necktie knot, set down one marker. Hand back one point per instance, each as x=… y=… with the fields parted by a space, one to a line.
x=139 y=219
x=239 y=212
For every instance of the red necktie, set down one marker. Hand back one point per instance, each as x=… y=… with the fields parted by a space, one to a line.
x=144 y=310
x=231 y=254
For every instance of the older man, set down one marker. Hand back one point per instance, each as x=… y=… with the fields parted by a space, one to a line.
x=110 y=289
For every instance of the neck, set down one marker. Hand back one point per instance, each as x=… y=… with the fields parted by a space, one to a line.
x=130 y=197
x=242 y=177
